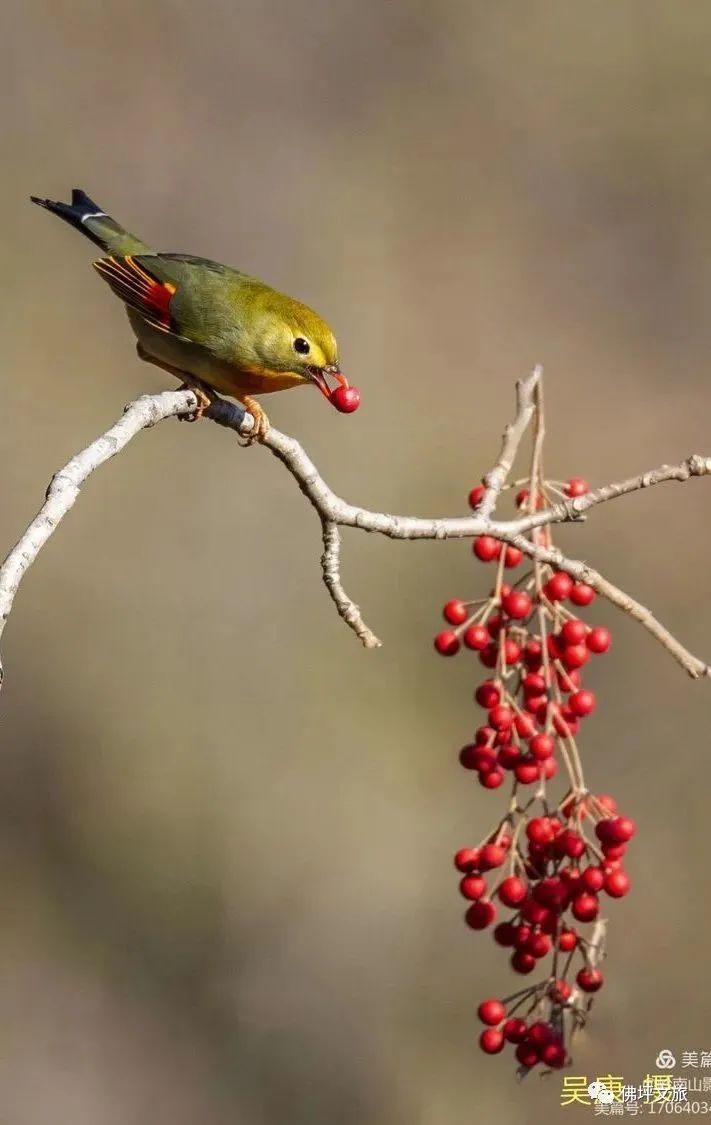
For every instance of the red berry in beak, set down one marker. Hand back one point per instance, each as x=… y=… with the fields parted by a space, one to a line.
x=345 y=399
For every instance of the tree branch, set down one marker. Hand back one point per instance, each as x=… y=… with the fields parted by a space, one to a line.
x=335 y=512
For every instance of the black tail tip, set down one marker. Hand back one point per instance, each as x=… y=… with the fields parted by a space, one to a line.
x=80 y=206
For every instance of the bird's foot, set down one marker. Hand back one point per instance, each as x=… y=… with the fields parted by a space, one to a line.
x=201 y=394
x=262 y=424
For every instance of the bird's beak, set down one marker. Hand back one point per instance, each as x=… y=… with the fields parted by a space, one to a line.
x=318 y=376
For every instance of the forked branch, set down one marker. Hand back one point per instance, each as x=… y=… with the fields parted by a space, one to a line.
x=334 y=512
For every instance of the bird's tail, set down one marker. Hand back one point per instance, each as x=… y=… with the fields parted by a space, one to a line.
x=88 y=217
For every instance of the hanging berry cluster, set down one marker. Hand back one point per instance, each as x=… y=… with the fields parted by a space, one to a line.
x=536 y=879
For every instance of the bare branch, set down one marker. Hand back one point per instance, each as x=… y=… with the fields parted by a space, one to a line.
x=65 y=485
x=348 y=610
x=495 y=479
x=335 y=512
x=695 y=667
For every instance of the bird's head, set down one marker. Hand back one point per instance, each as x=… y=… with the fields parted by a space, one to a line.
x=293 y=339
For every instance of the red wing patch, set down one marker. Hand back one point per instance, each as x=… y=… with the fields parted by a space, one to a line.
x=139 y=289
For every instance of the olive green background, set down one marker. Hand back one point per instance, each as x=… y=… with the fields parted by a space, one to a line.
x=225 y=829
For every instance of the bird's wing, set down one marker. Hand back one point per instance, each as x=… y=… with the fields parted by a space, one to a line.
x=140 y=287
x=187 y=296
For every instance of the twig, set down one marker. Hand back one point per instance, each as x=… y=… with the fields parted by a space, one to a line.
x=334 y=512
x=349 y=611
x=495 y=479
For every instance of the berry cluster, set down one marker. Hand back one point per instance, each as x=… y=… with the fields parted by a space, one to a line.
x=546 y=861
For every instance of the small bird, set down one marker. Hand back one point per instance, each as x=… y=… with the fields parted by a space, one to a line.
x=208 y=324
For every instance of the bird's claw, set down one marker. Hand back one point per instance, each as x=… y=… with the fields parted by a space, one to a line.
x=203 y=399
x=261 y=426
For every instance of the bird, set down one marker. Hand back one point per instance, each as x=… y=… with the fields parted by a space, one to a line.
x=212 y=326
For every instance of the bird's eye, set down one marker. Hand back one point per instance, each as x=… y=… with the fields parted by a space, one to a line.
x=302 y=346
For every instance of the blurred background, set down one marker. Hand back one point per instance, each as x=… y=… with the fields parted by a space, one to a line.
x=226 y=830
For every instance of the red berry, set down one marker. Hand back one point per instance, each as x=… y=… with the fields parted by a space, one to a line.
x=542 y=746
x=486 y=548
x=477 y=757
x=345 y=399
x=589 y=980
x=480 y=914
x=501 y=717
x=582 y=703
x=599 y=639
x=536 y=705
x=534 y=684
x=491 y=1041
x=540 y=1033
x=525 y=726
x=466 y=859
x=533 y=655
x=570 y=875
x=476 y=637
x=488 y=694
x=539 y=831
x=517 y=604
x=585 y=907
x=512 y=891
x=567 y=940
x=592 y=879
x=455 y=612
x=539 y=945
x=508 y=756
x=604 y=831
x=527 y=771
x=575 y=656
x=549 y=768
x=570 y=843
x=553 y=645
x=553 y=1055
x=492 y=779
x=490 y=656
x=622 y=829
x=617 y=883
x=447 y=643
x=522 y=962
x=522 y=936
x=473 y=887
x=512 y=652
x=535 y=912
x=484 y=736
x=558 y=587
x=560 y=991
x=491 y=1012
x=512 y=556
x=491 y=855
x=582 y=594
x=514 y=1029
x=551 y=891
x=576 y=486
x=572 y=633
x=495 y=624
x=476 y=495
x=527 y=1054
x=505 y=933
